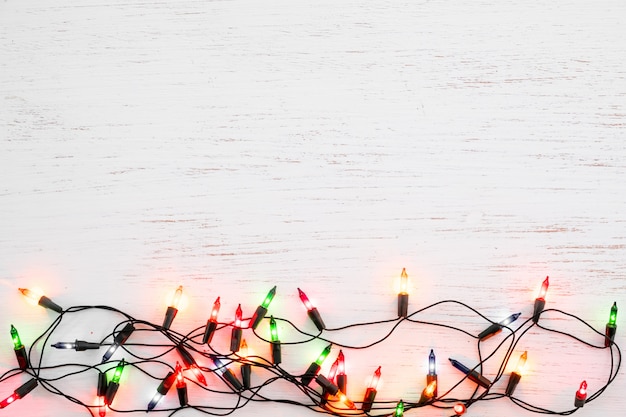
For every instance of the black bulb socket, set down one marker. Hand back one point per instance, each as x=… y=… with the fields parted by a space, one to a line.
x=310 y=373
x=258 y=315
x=403 y=305
x=540 y=304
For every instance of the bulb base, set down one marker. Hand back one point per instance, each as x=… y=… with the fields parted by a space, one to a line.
x=579 y=401
x=513 y=381
x=490 y=331
x=403 y=305
x=102 y=385
x=111 y=391
x=276 y=353
x=183 y=399
x=27 y=387
x=235 y=339
x=209 y=331
x=314 y=315
x=49 y=304
x=540 y=304
x=328 y=386
x=246 y=370
x=310 y=373
x=22 y=359
x=170 y=314
x=429 y=379
x=258 y=315
x=609 y=333
x=342 y=381
x=232 y=380
x=368 y=399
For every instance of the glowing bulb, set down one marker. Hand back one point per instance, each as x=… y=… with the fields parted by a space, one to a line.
x=613 y=315
x=305 y=300
x=432 y=370
x=459 y=409
x=430 y=389
x=177 y=296
x=17 y=342
x=273 y=330
x=320 y=359
x=399 y=411
x=374 y=383
x=404 y=282
x=544 y=289
x=238 y=315
x=521 y=364
x=215 y=310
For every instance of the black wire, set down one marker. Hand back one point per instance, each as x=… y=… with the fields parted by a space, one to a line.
x=311 y=397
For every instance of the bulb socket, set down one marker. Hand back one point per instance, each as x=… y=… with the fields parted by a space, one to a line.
x=276 y=353
x=235 y=339
x=492 y=330
x=579 y=401
x=232 y=380
x=246 y=370
x=316 y=318
x=102 y=384
x=328 y=386
x=258 y=315
x=609 y=333
x=209 y=331
x=22 y=359
x=81 y=345
x=429 y=379
x=48 y=303
x=513 y=381
x=540 y=304
x=403 y=305
x=342 y=381
x=183 y=399
x=368 y=399
x=310 y=373
x=170 y=314
x=111 y=391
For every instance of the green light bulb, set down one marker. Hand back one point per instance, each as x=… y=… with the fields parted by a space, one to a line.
x=399 y=412
x=323 y=355
x=118 y=372
x=17 y=342
x=613 y=316
x=269 y=297
x=273 y=329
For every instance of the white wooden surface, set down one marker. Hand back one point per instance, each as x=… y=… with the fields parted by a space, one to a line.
x=230 y=146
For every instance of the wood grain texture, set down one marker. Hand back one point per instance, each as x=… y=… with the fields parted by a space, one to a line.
x=230 y=146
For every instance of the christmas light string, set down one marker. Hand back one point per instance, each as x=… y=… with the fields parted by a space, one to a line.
x=319 y=392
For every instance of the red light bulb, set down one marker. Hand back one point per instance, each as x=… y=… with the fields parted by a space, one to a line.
x=312 y=312
x=540 y=301
x=459 y=409
x=370 y=393
x=544 y=289
x=211 y=324
x=581 y=395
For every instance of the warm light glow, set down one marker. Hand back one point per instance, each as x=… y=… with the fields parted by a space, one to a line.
x=177 y=296
x=521 y=364
x=429 y=391
x=459 y=409
x=345 y=400
x=243 y=349
x=305 y=300
x=215 y=310
x=544 y=289
x=404 y=282
x=375 y=379
x=102 y=408
x=32 y=296
x=238 y=315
